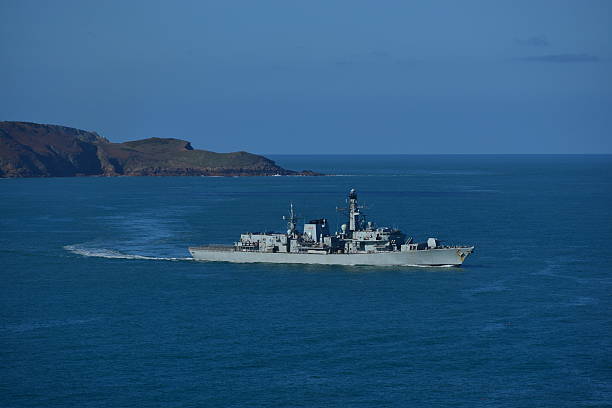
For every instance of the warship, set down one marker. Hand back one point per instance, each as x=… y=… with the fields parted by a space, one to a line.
x=359 y=242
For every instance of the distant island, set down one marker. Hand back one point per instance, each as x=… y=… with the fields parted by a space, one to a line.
x=37 y=150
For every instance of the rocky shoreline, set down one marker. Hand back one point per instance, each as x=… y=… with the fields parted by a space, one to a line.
x=39 y=150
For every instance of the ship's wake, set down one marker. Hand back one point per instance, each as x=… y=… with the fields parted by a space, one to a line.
x=84 y=250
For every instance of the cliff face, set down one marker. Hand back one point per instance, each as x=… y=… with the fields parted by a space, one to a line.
x=32 y=150
x=35 y=150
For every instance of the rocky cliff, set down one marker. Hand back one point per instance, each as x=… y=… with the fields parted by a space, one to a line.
x=35 y=150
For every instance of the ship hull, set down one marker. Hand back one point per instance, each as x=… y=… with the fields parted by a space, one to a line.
x=427 y=257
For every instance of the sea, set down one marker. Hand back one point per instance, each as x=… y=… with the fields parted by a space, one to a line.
x=101 y=305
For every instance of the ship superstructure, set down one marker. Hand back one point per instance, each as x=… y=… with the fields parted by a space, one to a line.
x=359 y=242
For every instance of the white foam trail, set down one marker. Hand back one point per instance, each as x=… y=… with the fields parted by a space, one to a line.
x=112 y=254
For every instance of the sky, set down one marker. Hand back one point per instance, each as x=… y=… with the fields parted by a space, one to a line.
x=317 y=77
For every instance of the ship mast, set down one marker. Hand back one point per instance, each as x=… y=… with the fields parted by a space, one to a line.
x=355 y=218
x=353 y=211
x=291 y=221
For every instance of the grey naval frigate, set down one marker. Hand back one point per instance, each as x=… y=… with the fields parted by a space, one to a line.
x=359 y=242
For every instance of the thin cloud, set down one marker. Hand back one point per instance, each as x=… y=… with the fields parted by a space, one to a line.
x=562 y=58
x=533 y=41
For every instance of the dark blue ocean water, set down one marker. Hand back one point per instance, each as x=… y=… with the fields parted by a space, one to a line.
x=100 y=308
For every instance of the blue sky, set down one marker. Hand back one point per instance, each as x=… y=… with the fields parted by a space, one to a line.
x=318 y=76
